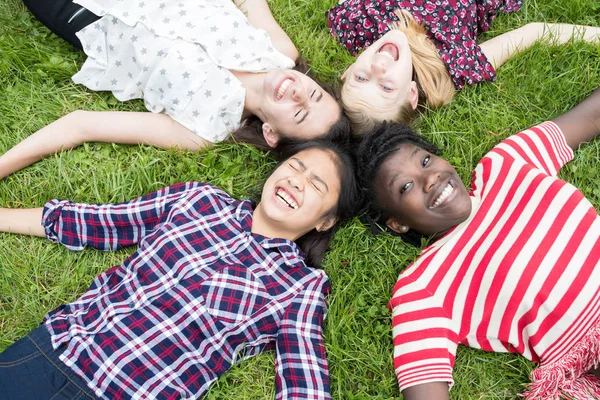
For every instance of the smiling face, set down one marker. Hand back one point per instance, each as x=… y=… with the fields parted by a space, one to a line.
x=300 y=194
x=295 y=106
x=381 y=77
x=421 y=191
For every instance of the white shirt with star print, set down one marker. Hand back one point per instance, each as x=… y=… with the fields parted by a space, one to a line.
x=177 y=56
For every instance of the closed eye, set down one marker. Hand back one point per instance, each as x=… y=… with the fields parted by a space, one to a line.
x=292 y=166
x=313 y=93
x=317 y=188
x=299 y=111
x=303 y=118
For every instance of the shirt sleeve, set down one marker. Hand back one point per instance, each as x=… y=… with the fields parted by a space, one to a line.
x=356 y=24
x=425 y=341
x=110 y=226
x=301 y=364
x=543 y=146
x=464 y=59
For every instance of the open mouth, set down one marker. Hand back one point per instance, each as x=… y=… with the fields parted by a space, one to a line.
x=286 y=199
x=448 y=190
x=390 y=51
x=283 y=87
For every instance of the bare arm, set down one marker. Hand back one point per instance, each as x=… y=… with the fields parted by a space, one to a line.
x=259 y=15
x=26 y=221
x=427 y=391
x=582 y=123
x=499 y=49
x=114 y=127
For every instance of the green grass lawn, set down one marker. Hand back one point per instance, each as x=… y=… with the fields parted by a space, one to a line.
x=37 y=276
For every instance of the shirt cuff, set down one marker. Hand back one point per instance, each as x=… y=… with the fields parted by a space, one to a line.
x=50 y=216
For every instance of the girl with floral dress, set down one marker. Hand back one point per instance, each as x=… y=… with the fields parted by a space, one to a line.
x=418 y=53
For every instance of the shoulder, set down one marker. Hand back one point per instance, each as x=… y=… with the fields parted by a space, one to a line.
x=200 y=192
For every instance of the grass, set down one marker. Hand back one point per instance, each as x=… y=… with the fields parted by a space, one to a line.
x=37 y=276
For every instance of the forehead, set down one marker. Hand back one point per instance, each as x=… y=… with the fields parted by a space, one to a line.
x=400 y=161
x=322 y=115
x=320 y=162
x=370 y=96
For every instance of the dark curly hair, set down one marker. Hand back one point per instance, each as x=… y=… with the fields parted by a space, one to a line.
x=371 y=150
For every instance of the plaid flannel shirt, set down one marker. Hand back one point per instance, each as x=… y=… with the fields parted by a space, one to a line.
x=201 y=293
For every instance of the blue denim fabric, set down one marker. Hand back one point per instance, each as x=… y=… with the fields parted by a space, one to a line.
x=31 y=370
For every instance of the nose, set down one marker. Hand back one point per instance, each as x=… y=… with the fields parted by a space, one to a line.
x=378 y=67
x=430 y=181
x=299 y=94
x=296 y=182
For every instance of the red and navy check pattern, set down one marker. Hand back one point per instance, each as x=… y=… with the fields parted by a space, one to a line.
x=200 y=294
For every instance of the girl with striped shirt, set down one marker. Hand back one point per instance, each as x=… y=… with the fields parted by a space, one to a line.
x=513 y=266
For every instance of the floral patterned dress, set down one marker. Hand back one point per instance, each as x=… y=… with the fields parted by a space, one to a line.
x=452 y=25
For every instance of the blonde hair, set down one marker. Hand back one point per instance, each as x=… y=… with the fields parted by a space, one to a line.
x=429 y=72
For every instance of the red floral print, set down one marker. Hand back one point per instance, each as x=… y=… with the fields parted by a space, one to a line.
x=452 y=25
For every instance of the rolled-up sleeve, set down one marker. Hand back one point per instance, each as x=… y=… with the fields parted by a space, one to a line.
x=110 y=226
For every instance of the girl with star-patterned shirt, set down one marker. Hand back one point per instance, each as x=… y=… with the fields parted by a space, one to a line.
x=202 y=69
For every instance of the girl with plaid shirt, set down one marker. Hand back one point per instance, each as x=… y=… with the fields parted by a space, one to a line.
x=213 y=281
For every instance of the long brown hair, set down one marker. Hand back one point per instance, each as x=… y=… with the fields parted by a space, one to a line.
x=251 y=130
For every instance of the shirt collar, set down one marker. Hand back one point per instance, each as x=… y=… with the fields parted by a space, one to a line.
x=475 y=203
x=290 y=251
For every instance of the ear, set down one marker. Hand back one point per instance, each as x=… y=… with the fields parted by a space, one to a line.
x=326 y=224
x=396 y=225
x=413 y=95
x=271 y=137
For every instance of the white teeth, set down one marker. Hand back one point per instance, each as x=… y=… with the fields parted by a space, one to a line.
x=443 y=196
x=389 y=55
x=283 y=87
x=287 y=200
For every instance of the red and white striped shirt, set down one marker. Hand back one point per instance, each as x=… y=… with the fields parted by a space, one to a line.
x=518 y=275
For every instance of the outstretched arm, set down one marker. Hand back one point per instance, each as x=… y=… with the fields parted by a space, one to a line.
x=259 y=15
x=427 y=391
x=582 y=123
x=499 y=49
x=114 y=127
x=26 y=221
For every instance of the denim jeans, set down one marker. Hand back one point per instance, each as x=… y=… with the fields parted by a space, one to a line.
x=31 y=370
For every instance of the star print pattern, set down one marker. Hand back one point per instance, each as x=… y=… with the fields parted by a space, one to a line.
x=177 y=57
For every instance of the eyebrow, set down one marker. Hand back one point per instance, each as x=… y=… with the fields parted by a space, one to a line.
x=391 y=183
x=302 y=167
x=393 y=179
